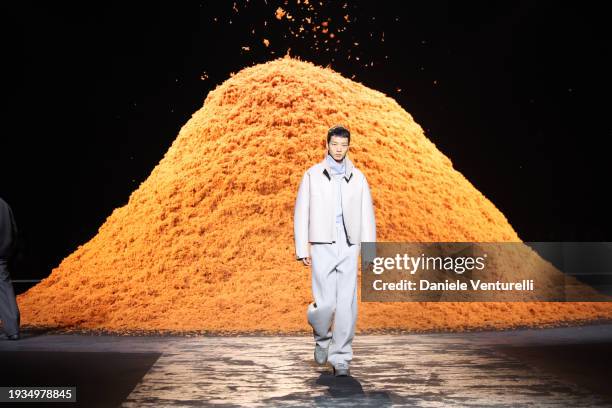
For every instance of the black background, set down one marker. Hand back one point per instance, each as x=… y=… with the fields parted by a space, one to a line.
x=514 y=93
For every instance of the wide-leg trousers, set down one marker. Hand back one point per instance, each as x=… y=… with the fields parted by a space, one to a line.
x=9 y=312
x=333 y=314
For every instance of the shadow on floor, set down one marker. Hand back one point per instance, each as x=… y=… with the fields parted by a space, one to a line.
x=102 y=379
x=587 y=365
x=342 y=392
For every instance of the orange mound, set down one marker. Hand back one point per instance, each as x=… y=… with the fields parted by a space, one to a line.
x=206 y=242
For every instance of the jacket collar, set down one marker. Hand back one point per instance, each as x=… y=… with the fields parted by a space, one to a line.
x=348 y=173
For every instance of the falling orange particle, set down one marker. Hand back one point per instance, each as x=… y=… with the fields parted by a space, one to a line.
x=280 y=13
x=266 y=42
x=246 y=48
x=206 y=241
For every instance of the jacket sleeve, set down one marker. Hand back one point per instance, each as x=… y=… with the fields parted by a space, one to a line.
x=368 y=226
x=301 y=218
x=368 y=223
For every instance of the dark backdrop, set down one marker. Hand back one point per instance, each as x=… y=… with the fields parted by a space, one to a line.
x=515 y=93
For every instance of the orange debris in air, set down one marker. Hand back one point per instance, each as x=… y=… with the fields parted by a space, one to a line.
x=266 y=42
x=206 y=241
x=280 y=13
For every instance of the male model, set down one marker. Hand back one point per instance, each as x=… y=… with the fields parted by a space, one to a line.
x=333 y=215
x=9 y=312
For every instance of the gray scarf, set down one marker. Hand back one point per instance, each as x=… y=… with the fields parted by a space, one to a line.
x=335 y=167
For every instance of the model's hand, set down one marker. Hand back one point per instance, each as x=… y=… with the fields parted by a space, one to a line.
x=307 y=261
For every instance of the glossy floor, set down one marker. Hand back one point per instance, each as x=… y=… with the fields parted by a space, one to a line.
x=547 y=367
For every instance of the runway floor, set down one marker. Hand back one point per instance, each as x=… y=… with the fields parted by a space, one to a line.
x=555 y=367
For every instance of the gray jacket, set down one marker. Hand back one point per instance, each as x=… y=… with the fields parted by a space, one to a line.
x=8 y=231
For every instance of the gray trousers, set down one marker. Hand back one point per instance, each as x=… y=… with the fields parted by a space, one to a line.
x=9 y=312
x=334 y=289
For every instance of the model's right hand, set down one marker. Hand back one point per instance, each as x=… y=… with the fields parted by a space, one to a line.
x=307 y=261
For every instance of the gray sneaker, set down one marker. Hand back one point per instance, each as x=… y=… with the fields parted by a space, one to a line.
x=341 y=370
x=320 y=354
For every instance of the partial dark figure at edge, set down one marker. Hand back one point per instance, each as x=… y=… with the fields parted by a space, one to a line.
x=9 y=312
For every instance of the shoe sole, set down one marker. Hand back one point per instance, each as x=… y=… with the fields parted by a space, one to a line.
x=341 y=373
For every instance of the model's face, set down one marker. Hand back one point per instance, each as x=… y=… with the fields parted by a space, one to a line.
x=338 y=147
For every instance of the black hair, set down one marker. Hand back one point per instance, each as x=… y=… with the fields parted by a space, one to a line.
x=339 y=131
